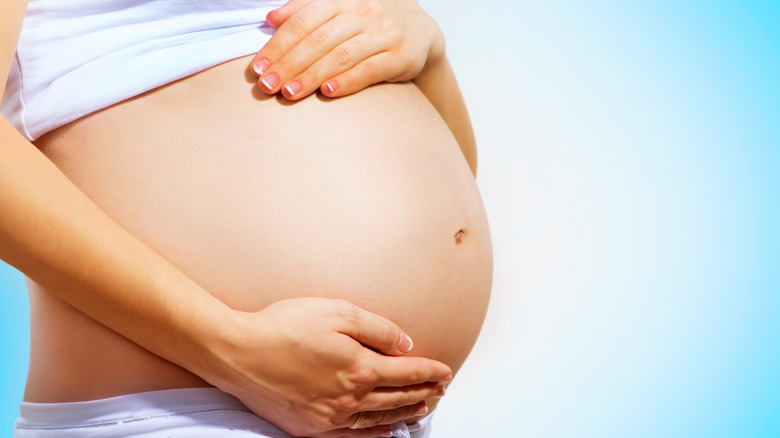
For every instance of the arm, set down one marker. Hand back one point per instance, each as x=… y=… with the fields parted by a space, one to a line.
x=343 y=47
x=54 y=234
x=437 y=82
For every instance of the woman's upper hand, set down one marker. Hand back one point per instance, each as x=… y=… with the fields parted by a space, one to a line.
x=310 y=365
x=343 y=46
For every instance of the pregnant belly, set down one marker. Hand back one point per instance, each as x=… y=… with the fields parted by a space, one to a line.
x=365 y=198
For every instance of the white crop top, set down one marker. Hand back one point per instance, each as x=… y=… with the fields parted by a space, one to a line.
x=75 y=57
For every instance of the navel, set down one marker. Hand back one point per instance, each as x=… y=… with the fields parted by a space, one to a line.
x=459 y=236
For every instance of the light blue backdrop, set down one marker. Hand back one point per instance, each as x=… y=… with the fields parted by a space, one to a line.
x=629 y=160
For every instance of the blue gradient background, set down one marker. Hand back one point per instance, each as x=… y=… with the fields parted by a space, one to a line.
x=629 y=159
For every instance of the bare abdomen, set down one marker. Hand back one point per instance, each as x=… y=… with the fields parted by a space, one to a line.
x=365 y=198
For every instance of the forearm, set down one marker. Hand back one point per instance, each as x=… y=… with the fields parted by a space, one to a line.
x=437 y=81
x=54 y=234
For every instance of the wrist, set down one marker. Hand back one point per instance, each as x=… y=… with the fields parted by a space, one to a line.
x=437 y=53
x=229 y=346
x=214 y=339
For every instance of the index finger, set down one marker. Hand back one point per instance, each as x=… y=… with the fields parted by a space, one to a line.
x=374 y=331
x=295 y=28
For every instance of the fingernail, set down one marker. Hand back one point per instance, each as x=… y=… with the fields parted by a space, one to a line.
x=386 y=432
x=260 y=66
x=405 y=344
x=332 y=86
x=421 y=410
x=270 y=82
x=293 y=88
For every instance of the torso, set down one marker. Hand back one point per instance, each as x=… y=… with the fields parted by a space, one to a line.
x=365 y=198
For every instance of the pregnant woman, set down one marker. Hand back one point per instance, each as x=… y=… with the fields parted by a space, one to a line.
x=184 y=228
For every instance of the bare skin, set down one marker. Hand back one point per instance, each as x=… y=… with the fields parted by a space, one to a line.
x=399 y=228
x=255 y=298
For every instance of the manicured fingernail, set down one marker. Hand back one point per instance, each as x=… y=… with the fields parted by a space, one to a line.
x=270 y=82
x=405 y=344
x=442 y=391
x=421 y=410
x=332 y=86
x=386 y=431
x=260 y=66
x=293 y=88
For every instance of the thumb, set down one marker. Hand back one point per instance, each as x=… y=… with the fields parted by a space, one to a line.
x=377 y=332
x=276 y=17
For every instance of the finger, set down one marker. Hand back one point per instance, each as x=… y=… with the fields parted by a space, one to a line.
x=406 y=371
x=290 y=33
x=377 y=423
x=382 y=418
x=374 y=331
x=326 y=52
x=276 y=17
x=338 y=59
x=381 y=67
x=371 y=432
x=386 y=398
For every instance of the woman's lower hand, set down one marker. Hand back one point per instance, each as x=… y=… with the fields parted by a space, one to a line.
x=312 y=365
x=344 y=46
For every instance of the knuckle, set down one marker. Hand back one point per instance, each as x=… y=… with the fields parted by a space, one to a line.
x=364 y=377
x=322 y=421
x=329 y=423
x=345 y=403
x=370 y=69
x=342 y=56
x=414 y=376
x=347 y=313
x=297 y=24
x=318 y=40
x=345 y=382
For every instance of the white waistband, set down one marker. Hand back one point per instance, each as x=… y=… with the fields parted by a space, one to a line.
x=170 y=413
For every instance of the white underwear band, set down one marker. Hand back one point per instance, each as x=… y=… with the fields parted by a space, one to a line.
x=175 y=413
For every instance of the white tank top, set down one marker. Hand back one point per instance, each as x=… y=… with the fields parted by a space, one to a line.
x=75 y=57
